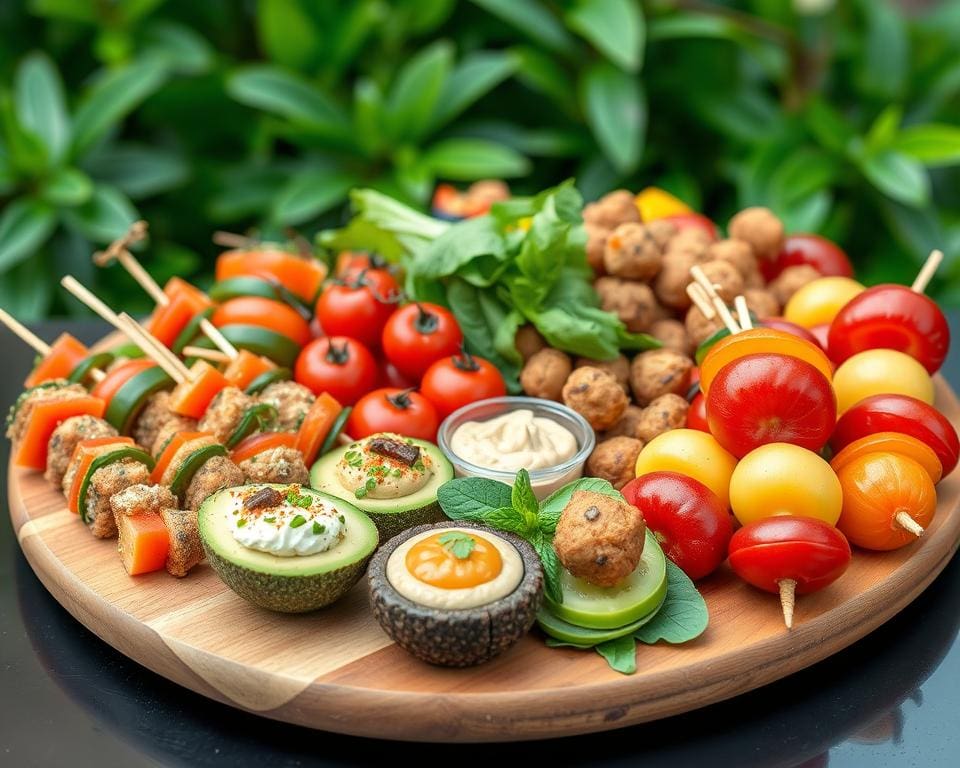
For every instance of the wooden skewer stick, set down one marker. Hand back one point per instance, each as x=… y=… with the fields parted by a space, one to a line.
x=160 y=348
x=86 y=297
x=150 y=349
x=930 y=266
x=27 y=336
x=906 y=522
x=704 y=282
x=788 y=597
x=743 y=313
x=213 y=355
x=233 y=240
x=702 y=302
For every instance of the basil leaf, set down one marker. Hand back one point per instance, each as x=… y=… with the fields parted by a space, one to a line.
x=473 y=498
x=620 y=654
x=683 y=615
x=523 y=499
x=553 y=505
x=551 y=566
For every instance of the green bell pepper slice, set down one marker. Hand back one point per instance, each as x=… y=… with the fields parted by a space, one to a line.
x=125 y=406
x=127 y=452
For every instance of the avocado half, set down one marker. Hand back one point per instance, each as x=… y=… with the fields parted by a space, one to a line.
x=286 y=584
x=389 y=515
x=456 y=638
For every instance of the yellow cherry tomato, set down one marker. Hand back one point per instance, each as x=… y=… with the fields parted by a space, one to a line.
x=820 y=300
x=784 y=479
x=880 y=372
x=692 y=453
x=655 y=203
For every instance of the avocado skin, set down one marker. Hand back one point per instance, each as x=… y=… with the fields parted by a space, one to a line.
x=456 y=638
x=286 y=594
x=389 y=524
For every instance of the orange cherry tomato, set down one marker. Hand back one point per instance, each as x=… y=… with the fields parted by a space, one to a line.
x=891 y=442
x=888 y=499
x=300 y=275
x=760 y=341
x=276 y=316
x=108 y=386
x=65 y=354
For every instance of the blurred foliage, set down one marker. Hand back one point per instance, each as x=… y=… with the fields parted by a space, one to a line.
x=841 y=116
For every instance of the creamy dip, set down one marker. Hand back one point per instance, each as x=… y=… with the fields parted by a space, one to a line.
x=422 y=593
x=516 y=440
x=301 y=525
x=368 y=474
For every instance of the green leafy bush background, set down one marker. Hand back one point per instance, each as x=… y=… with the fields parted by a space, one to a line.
x=841 y=116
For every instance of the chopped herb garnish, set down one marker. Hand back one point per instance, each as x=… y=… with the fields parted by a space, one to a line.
x=318 y=528
x=341 y=518
x=360 y=492
x=241 y=522
x=397 y=473
x=298 y=499
x=459 y=544
x=419 y=467
x=298 y=521
x=370 y=484
x=353 y=458
x=269 y=519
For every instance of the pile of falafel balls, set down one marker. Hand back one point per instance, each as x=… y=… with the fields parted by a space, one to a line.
x=642 y=272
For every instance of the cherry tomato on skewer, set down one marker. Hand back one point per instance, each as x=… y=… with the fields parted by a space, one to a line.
x=891 y=317
x=820 y=300
x=899 y=413
x=779 y=324
x=789 y=556
x=888 y=499
x=891 y=442
x=770 y=398
x=453 y=382
x=688 y=519
x=823 y=255
x=692 y=453
x=697 y=414
x=880 y=372
x=418 y=335
x=336 y=364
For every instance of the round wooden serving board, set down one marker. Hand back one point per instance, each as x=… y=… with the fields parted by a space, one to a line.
x=336 y=670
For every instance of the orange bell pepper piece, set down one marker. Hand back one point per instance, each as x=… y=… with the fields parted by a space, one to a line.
x=316 y=424
x=260 y=442
x=170 y=450
x=245 y=367
x=83 y=455
x=143 y=542
x=192 y=397
x=45 y=417
x=66 y=353
x=169 y=319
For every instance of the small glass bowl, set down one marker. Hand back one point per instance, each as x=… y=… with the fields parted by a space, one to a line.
x=544 y=481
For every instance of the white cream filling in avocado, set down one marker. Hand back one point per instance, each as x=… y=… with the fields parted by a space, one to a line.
x=408 y=585
x=287 y=530
x=516 y=440
x=367 y=474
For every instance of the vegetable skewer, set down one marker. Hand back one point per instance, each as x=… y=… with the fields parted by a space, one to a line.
x=33 y=341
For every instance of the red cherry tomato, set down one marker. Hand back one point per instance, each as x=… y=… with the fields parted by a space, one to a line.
x=402 y=411
x=769 y=398
x=688 y=519
x=358 y=306
x=453 y=382
x=785 y=325
x=823 y=255
x=891 y=317
x=418 y=335
x=267 y=313
x=351 y=263
x=340 y=366
x=811 y=552
x=693 y=221
x=697 y=414
x=821 y=333
x=899 y=413
x=389 y=376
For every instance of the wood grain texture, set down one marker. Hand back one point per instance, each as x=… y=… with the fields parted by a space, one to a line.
x=336 y=670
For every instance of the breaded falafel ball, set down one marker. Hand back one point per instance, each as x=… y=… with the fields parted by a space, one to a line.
x=791 y=280
x=632 y=252
x=612 y=210
x=659 y=372
x=761 y=228
x=662 y=231
x=615 y=460
x=627 y=425
x=596 y=242
x=528 y=341
x=671 y=284
x=725 y=278
x=545 y=373
x=619 y=368
x=693 y=242
x=735 y=252
x=673 y=335
x=595 y=395
x=663 y=414
x=599 y=538
x=762 y=302
x=633 y=302
x=699 y=328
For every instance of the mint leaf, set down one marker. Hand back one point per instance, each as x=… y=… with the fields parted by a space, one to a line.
x=508 y=519
x=459 y=544
x=620 y=654
x=524 y=500
x=683 y=615
x=553 y=505
x=551 y=566
x=473 y=498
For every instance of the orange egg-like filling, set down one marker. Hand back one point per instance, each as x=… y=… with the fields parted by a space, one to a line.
x=435 y=563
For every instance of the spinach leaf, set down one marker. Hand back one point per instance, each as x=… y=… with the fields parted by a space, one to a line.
x=552 y=506
x=458 y=246
x=620 y=654
x=683 y=615
x=472 y=498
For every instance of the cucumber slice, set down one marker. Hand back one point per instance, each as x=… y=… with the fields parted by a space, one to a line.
x=707 y=344
x=330 y=441
x=593 y=607
x=188 y=468
x=254 y=419
x=261 y=341
x=129 y=452
x=130 y=399
x=267 y=378
x=190 y=330
x=98 y=360
x=248 y=285
x=582 y=637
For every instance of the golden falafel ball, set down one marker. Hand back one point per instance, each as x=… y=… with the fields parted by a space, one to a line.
x=596 y=396
x=612 y=210
x=599 y=538
x=670 y=287
x=693 y=242
x=658 y=372
x=528 y=341
x=627 y=426
x=735 y=252
x=699 y=329
x=725 y=278
x=663 y=414
x=615 y=460
x=762 y=302
x=596 y=242
x=633 y=302
x=619 y=368
x=632 y=252
x=761 y=228
x=754 y=279
x=662 y=231
x=545 y=373
x=672 y=334
x=791 y=280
